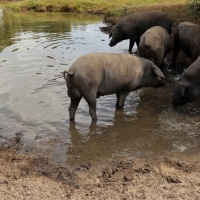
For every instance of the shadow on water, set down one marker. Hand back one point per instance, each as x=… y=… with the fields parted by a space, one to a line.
x=35 y=49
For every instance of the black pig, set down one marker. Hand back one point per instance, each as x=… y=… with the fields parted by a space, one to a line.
x=135 y=24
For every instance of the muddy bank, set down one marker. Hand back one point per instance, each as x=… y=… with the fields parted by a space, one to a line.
x=173 y=175
x=162 y=176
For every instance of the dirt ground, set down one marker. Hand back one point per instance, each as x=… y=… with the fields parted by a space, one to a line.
x=162 y=176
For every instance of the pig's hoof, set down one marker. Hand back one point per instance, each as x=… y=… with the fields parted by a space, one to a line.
x=71 y=119
x=119 y=107
x=130 y=51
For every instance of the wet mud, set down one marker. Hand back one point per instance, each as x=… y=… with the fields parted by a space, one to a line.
x=162 y=176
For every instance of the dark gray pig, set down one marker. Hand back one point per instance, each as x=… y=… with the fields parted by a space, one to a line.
x=99 y=74
x=135 y=24
x=187 y=39
x=188 y=86
x=154 y=45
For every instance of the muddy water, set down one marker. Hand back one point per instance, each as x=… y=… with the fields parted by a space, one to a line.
x=35 y=49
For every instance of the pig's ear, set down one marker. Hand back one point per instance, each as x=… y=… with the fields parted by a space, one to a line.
x=157 y=71
x=115 y=33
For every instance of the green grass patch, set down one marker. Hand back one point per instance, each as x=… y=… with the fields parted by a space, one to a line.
x=193 y=8
x=105 y=7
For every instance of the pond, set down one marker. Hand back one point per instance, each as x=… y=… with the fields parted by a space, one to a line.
x=35 y=48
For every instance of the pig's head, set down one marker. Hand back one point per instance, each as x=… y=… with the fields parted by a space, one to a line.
x=116 y=37
x=182 y=94
x=178 y=95
x=188 y=86
x=152 y=75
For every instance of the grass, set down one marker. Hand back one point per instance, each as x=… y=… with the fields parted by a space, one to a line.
x=105 y=7
x=194 y=8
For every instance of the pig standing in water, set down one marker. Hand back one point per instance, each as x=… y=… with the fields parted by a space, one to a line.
x=188 y=87
x=154 y=45
x=99 y=74
x=135 y=24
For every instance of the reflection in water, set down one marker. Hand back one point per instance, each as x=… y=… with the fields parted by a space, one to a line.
x=35 y=49
x=149 y=130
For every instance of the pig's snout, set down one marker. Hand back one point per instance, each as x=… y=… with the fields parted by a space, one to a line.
x=159 y=82
x=112 y=43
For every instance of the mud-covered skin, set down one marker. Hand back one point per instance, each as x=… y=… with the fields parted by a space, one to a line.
x=135 y=24
x=187 y=39
x=188 y=86
x=154 y=45
x=99 y=74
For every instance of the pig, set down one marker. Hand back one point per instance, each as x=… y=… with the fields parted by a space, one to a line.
x=135 y=24
x=98 y=74
x=188 y=86
x=154 y=45
x=187 y=39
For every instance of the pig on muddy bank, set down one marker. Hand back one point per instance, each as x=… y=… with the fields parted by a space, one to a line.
x=135 y=24
x=99 y=74
x=154 y=45
x=188 y=86
x=187 y=39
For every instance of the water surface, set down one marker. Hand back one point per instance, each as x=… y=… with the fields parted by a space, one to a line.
x=35 y=49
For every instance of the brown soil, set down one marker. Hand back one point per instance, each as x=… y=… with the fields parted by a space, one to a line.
x=162 y=176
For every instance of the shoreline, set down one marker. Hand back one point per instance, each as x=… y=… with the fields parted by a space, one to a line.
x=161 y=176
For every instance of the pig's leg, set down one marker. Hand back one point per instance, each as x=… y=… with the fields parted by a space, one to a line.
x=138 y=41
x=91 y=100
x=72 y=108
x=176 y=48
x=121 y=96
x=132 y=41
x=92 y=110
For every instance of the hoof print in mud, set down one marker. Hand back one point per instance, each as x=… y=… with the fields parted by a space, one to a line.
x=172 y=180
